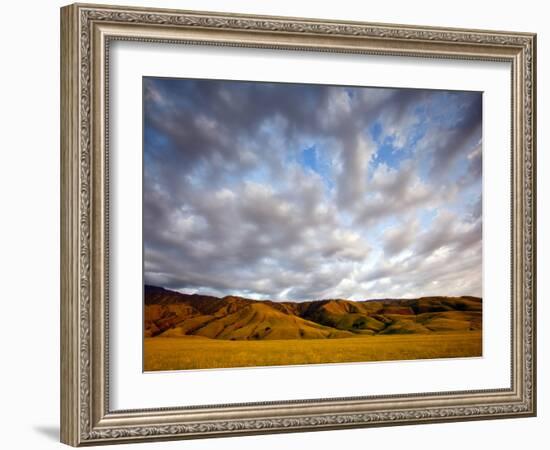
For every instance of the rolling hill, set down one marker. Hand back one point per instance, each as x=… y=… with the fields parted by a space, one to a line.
x=173 y=314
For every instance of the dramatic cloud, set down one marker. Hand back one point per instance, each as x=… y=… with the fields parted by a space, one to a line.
x=293 y=191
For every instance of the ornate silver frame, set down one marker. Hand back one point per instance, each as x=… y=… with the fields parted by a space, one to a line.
x=86 y=31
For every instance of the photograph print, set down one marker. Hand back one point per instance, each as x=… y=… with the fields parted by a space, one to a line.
x=291 y=224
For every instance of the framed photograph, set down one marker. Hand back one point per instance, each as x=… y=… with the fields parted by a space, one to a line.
x=275 y=224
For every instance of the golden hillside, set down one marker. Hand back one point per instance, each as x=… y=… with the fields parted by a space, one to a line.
x=172 y=314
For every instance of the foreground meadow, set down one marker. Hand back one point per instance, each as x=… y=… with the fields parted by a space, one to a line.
x=194 y=352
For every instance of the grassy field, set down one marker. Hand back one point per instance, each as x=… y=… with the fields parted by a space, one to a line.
x=194 y=352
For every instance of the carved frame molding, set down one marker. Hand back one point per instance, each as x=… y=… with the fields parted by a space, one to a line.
x=86 y=32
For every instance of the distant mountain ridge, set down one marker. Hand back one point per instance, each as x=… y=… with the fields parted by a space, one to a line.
x=169 y=313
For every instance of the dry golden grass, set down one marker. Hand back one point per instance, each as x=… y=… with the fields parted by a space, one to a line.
x=193 y=352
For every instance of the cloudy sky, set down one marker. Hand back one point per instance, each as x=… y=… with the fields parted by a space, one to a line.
x=299 y=191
